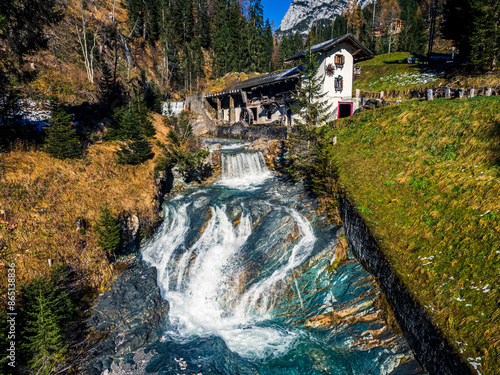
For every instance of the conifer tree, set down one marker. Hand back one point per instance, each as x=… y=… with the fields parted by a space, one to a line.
x=313 y=111
x=183 y=149
x=255 y=36
x=46 y=309
x=108 y=231
x=310 y=103
x=136 y=151
x=285 y=50
x=62 y=141
x=152 y=99
x=268 y=45
x=45 y=342
x=485 y=39
x=474 y=26
x=110 y=91
x=132 y=121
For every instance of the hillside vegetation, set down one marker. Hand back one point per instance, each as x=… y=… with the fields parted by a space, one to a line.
x=42 y=197
x=426 y=178
x=389 y=73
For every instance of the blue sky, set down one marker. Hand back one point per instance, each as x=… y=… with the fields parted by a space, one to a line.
x=275 y=10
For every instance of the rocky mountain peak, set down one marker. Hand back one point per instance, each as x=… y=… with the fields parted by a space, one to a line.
x=303 y=13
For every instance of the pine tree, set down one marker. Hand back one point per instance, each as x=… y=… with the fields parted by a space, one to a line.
x=46 y=310
x=45 y=341
x=485 y=40
x=23 y=24
x=108 y=231
x=311 y=107
x=110 y=91
x=474 y=26
x=313 y=111
x=132 y=121
x=62 y=141
x=223 y=44
x=140 y=115
x=285 y=50
x=136 y=151
x=255 y=40
x=268 y=45
x=183 y=149
x=152 y=100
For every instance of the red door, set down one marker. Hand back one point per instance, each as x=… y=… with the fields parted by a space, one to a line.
x=345 y=110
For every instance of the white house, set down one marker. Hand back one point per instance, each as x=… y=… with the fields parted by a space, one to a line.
x=337 y=70
x=266 y=100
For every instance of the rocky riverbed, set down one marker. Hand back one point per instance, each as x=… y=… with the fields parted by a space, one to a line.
x=256 y=283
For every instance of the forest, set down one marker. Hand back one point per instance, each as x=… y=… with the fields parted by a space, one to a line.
x=179 y=46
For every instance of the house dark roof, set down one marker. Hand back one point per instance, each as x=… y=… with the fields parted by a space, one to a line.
x=266 y=79
x=259 y=81
x=360 y=51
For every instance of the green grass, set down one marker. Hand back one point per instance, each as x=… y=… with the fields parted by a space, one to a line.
x=426 y=178
x=386 y=58
x=387 y=72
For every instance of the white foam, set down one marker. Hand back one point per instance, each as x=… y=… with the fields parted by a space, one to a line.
x=244 y=171
x=205 y=295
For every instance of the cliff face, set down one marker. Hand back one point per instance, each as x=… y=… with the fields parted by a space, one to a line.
x=432 y=351
x=303 y=13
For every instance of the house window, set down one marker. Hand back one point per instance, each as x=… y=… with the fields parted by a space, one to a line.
x=339 y=83
x=357 y=70
x=269 y=113
x=339 y=61
x=329 y=70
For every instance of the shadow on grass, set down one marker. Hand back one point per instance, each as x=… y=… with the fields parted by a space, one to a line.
x=88 y=119
x=495 y=135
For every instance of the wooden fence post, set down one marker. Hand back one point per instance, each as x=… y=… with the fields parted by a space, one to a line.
x=231 y=110
x=358 y=93
x=430 y=95
x=447 y=93
x=381 y=95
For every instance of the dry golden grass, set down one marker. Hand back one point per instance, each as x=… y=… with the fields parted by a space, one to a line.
x=58 y=79
x=41 y=198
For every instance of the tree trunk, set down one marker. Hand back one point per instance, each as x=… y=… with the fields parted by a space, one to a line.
x=88 y=56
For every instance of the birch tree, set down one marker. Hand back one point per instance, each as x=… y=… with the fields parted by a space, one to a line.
x=88 y=47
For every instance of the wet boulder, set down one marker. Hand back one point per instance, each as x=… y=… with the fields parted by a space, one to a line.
x=127 y=317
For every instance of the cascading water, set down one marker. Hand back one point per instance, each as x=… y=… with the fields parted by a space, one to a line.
x=247 y=260
x=244 y=170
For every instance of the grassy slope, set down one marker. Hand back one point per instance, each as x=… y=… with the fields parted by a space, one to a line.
x=60 y=71
x=426 y=178
x=386 y=73
x=41 y=197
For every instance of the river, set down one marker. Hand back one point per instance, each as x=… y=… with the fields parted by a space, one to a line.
x=248 y=267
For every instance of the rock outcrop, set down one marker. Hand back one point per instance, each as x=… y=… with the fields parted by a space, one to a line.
x=304 y=13
x=127 y=317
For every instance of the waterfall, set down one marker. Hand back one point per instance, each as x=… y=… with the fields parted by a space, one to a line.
x=300 y=252
x=127 y=50
x=240 y=264
x=202 y=281
x=244 y=170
